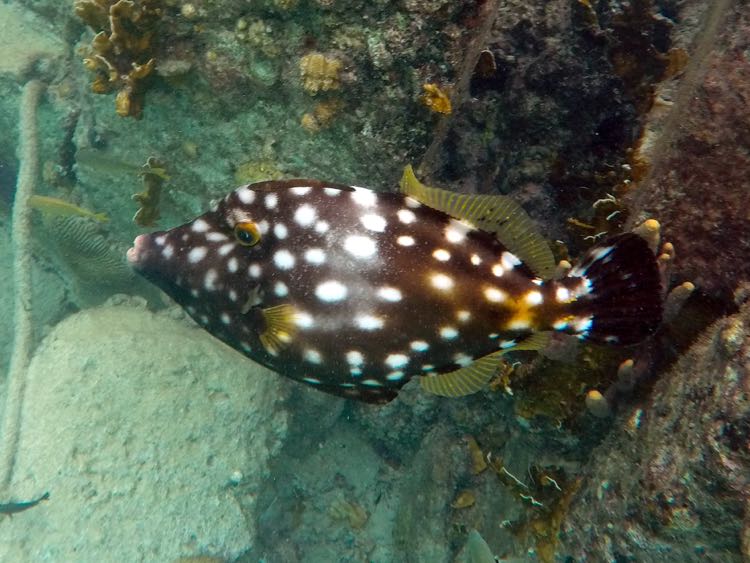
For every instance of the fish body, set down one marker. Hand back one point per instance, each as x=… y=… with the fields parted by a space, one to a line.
x=355 y=291
x=60 y=207
x=11 y=508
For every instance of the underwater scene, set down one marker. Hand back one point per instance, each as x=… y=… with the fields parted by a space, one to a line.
x=440 y=281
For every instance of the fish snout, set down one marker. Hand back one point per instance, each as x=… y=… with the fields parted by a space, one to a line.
x=137 y=254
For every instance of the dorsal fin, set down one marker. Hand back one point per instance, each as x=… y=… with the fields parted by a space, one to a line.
x=472 y=378
x=463 y=381
x=495 y=214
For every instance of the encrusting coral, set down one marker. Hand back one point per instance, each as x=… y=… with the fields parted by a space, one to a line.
x=320 y=73
x=121 y=51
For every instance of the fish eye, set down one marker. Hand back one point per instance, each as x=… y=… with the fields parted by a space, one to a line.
x=247 y=233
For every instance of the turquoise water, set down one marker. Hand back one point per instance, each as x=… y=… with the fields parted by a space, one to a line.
x=158 y=442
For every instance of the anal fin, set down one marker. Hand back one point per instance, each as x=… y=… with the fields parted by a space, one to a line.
x=474 y=377
x=463 y=381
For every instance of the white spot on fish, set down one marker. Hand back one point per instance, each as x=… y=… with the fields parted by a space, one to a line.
x=280 y=289
x=354 y=358
x=405 y=240
x=232 y=295
x=395 y=375
x=562 y=294
x=313 y=356
x=331 y=291
x=428 y=367
x=369 y=322
x=333 y=192
x=168 y=251
x=374 y=222
x=305 y=215
x=456 y=231
x=494 y=295
x=406 y=216
x=519 y=324
x=216 y=237
x=360 y=246
x=497 y=270
x=583 y=324
x=311 y=380
x=254 y=270
x=303 y=320
x=263 y=227
x=197 y=254
x=280 y=230
x=199 y=226
x=600 y=253
x=194 y=293
x=534 y=298
x=475 y=259
x=321 y=227
x=160 y=240
x=225 y=318
x=372 y=382
x=448 y=333
x=271 y=200
x=232 y=265
x=300 y=190
x=209 y=281
x=411 y=202
x=419 y=346
x=463 y=316
x=389 y=294
x=506 y=344
x=225 y=249
x=284 y=259
x=315 y=256
x=246 y=195
x=442 y=255
x=397 y=361
x=441 y=282
x=364 y=197
x=509 y=260
x=560 y=324
x=462 y=359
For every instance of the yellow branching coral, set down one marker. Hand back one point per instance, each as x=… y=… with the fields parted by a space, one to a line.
x=436 y=99
x=120 y=53
x=320 y=73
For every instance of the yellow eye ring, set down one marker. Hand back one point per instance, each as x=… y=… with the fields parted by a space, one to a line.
x=247 y=233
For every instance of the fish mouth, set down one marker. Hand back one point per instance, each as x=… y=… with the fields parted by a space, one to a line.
x=137 y=254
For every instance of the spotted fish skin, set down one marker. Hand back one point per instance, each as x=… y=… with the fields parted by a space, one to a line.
x=355 y=292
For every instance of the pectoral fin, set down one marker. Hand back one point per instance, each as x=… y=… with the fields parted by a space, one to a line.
x=280 y=327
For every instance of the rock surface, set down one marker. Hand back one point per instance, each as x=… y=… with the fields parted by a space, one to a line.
x=671 y=484
x=143 y=429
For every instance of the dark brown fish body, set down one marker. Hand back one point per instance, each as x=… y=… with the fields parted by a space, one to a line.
x=354 y=291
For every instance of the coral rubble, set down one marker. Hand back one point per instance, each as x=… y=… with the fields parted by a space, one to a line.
x=120 y=55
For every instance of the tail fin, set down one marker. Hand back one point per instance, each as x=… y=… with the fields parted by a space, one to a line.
x=618 y=289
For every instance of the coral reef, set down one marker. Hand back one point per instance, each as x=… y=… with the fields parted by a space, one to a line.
x=121 y=51
x=320 y=73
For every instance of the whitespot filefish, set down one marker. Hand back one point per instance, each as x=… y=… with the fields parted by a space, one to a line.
x=355 y=291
